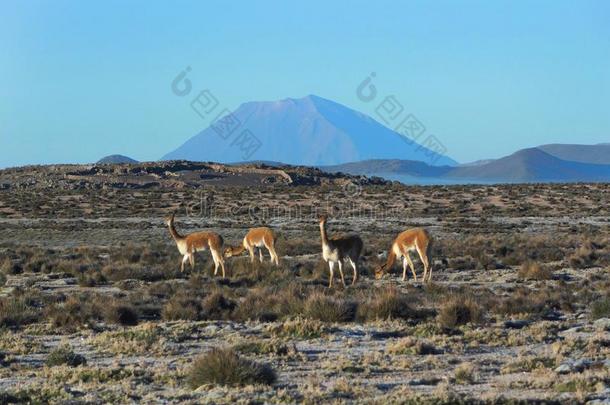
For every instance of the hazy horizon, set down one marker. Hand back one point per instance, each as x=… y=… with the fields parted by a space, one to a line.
x=85 y=80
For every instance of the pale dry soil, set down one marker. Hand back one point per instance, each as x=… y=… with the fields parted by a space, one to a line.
x=347 y=362
x=561 y=357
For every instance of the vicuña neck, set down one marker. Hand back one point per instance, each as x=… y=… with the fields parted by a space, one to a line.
x=323 y=233
x=237 y=250
x=174 y=232
x=391 y=259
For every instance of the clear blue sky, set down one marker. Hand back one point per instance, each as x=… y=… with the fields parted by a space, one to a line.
x=83 y=79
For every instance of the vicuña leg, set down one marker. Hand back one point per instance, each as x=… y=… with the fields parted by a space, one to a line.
x=404 y=268
x=184 y=260
x=218 y=262
x=340 y=262
x=251 y=251
x=411 y=266
x=222 y=265
x=424 y=259
x=260 y=254
x=192 y=261
x=353 y=263
x=331 y=269
x=271 y=249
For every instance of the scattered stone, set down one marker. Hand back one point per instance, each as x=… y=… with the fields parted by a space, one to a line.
x=574 y=366
x=564 y=369
x=516 y=324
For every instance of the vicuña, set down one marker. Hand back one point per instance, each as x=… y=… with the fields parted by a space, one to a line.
x=336 y=249
x=413 y=239
x=256 y=238
x=190 y=244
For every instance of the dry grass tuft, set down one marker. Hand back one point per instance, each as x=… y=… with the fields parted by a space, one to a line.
x=181 y=307
x=16 y=311
x=412 y=346
x=533 y=271
x=64 y=355
x=465 y=374
x=225 y=367
x=329 y=309
x=386 y=304
x=601 y=308
x=459 y=310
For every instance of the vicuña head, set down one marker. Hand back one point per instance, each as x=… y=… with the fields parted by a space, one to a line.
x=170 y=219
x=380 y=271
x=256 y=239
x=231 y=251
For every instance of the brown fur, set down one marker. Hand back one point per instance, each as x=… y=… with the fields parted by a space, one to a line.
x=256 y=238
x=336 y=249
x=416 y=239
x=190 y=244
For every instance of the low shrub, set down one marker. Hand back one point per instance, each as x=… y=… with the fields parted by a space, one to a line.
x=329 y=309
x=301 y=328
x=601 y=308
x=267 y=346
x=120 y=313
x=17 y=311
x=465 y=374
x=77 y=311
x=534 y=302
x=216 y=306
x=386 y=304
x=11 y=267
x=64 y=355
x=459 y=310
x=412 y=346
x=225 y=367
x=181 y=307
x=533 y=271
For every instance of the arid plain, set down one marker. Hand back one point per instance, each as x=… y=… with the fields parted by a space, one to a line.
x=94 y=308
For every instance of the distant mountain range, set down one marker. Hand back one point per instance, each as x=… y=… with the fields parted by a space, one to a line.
x=599 y=154
x=526 y=165
x=313 y=131
x=307 y=131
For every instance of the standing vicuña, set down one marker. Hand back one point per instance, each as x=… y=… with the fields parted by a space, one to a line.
x=190 y=244
x=256 y=238
x=336 y=249
x=413 y=239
